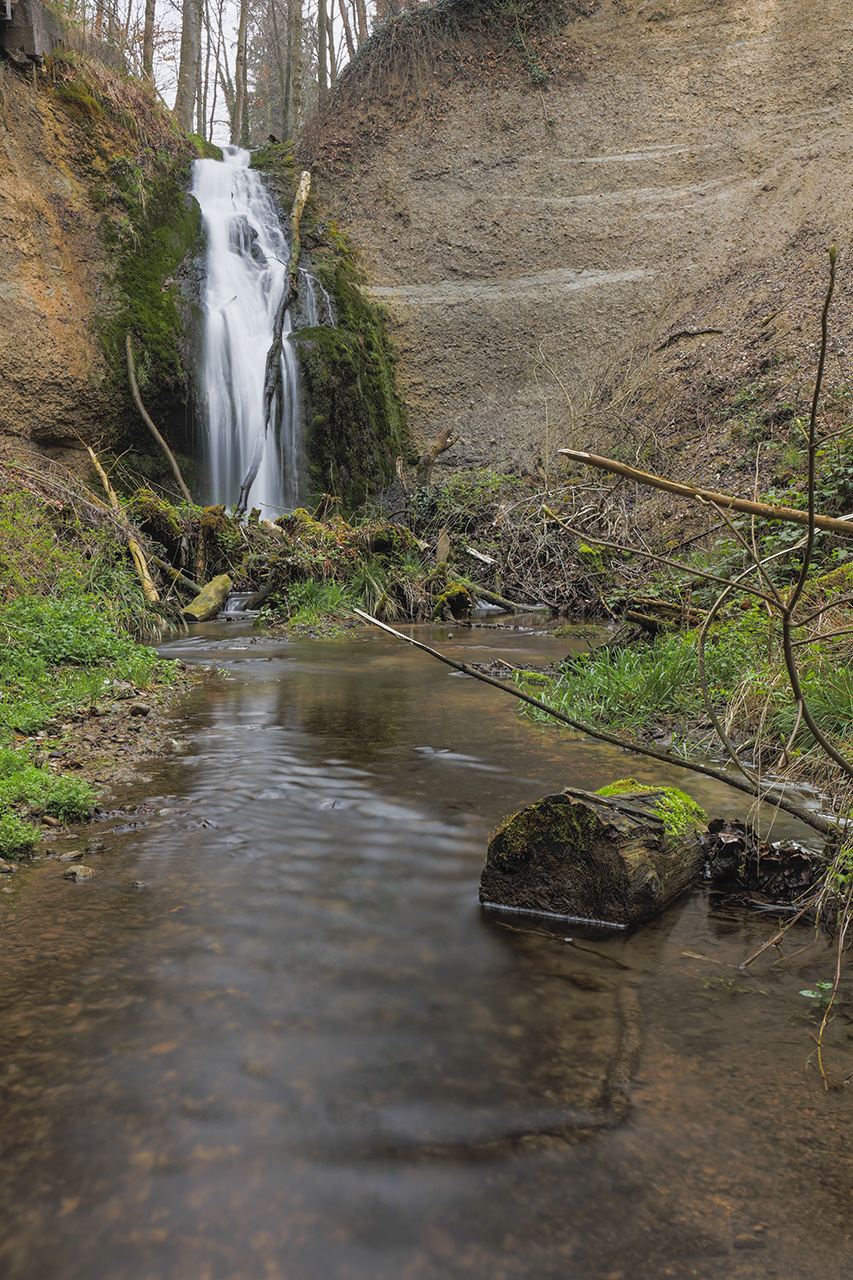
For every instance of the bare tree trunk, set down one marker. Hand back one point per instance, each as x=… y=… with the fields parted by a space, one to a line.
x=287 y=92
x=347 y=28
x=218 y=70
x=361 y=14
x=296 y=64
x=239 y=76
x=208 y=48
x=148 y=40
x=227 y=86
x=322 y=68
x=280 y=55
x=188 y=71
x=333 y=61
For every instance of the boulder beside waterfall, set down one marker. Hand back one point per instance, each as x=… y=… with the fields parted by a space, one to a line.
x=615 y=856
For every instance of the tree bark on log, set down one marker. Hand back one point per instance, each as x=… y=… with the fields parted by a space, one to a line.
x=615 y=859
x=210 y=599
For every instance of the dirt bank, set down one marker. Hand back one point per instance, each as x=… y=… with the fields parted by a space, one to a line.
x=683 y=166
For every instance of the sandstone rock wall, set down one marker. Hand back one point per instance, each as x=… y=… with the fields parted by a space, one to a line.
x=53 y=267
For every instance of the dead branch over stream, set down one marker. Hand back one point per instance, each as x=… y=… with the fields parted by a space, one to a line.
x=771 y=791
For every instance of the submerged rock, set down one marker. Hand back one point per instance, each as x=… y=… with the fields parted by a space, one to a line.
x=78 y=873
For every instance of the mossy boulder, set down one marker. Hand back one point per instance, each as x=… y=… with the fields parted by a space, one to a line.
x=617 y=856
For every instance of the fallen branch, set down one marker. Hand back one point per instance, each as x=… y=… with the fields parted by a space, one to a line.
x=175 y=574
x=137 y=399
x=787 y=515
x=492 y=597
x=684 y=333
x=445 y=440
x=148 y=588
x=771 y=791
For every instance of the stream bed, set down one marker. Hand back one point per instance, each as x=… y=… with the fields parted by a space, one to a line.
x=275 y=1036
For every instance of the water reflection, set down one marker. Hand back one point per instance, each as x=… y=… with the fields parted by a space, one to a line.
x=300 y=1051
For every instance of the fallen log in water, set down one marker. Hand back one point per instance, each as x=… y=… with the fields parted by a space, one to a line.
x=616 y=857
x=210 y=599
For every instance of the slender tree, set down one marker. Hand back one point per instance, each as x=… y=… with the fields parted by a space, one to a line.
x=348 y=34
x=322 y=56
x=148 y=40
x=188 y=70
x=240 y=79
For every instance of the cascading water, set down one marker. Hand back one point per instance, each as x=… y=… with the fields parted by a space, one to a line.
x=247 y=254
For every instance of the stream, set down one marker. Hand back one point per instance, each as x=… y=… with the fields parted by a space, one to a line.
x=275 y=1036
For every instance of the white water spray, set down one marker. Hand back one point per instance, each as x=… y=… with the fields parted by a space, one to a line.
x=247 y=255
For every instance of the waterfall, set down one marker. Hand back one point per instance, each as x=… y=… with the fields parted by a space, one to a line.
x=247 y=255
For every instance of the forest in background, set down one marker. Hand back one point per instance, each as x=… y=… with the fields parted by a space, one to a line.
x=236 y=70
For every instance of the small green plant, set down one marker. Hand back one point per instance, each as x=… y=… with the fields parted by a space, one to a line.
x=820 y=997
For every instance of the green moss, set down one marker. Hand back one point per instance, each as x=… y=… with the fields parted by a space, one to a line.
x=674 y=808
x=153 y=226
x=77 y=95
x=591 y=558
x=355 y=422
x=207 y=150
x=155 y=516
x=537 y=679
x=569 y=826
x=455 y=601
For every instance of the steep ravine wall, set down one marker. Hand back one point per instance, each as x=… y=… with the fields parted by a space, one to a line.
x=685 y=165
x=96 y=232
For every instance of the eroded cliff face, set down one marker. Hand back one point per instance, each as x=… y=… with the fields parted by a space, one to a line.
x=53 y=374
x=76 y=175
x=685 y=165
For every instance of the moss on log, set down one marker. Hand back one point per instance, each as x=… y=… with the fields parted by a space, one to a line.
x=616 y=856
x=209 y=600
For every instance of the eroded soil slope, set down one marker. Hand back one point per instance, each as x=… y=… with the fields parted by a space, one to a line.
x=684 y=166
x=52 y=271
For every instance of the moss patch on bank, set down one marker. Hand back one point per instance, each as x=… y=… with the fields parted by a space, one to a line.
x=355 y=423
x=153 y=227
x=69 y=613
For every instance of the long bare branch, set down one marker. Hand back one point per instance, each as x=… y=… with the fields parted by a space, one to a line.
x=787 y=515
x=774 y=791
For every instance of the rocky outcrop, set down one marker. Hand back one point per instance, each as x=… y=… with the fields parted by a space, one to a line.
x=669 y=166
x=92 y=236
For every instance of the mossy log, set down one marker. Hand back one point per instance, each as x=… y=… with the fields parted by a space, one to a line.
x=209 y=600
x=615 y=858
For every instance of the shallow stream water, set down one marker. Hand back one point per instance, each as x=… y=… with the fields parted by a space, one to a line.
x=298 y=1050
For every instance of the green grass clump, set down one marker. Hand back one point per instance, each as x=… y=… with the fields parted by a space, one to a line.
x=69 y=605
x=632 y=687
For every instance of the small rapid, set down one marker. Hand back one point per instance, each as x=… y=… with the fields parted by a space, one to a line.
x=247 y=255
